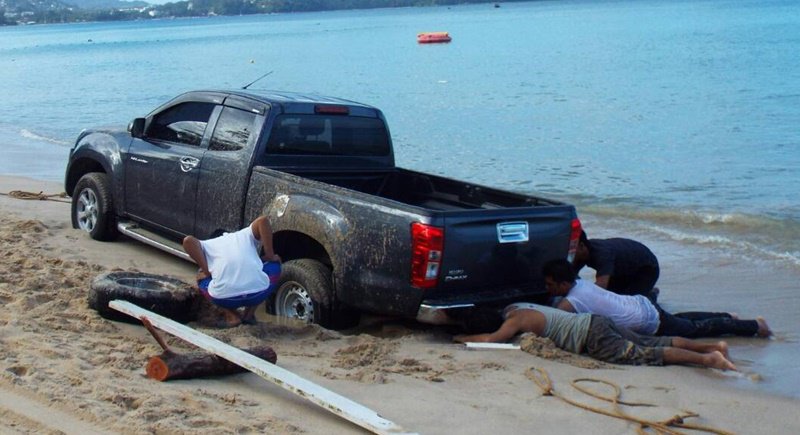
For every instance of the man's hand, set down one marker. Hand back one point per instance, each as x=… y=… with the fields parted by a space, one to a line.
x=201 y=274
x=476 y=338
x=273 y=257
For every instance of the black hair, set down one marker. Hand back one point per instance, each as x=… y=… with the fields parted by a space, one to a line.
x=584 y=239
x=560 y=270
x=482 y=320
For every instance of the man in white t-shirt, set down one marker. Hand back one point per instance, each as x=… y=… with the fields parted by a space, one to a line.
x=638 y=313
x=232 y=273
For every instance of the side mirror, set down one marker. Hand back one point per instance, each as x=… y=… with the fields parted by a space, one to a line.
x=136 y=128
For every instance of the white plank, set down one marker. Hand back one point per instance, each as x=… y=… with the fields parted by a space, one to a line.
x=321 y=396
x=503 y=346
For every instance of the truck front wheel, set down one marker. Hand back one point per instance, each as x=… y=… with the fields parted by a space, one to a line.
x=305 y=293
x=92 y=206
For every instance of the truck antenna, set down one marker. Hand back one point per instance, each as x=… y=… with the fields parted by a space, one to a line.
x=248 y=85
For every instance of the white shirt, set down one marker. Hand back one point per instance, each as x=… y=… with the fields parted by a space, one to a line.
x=234 y=263
x=633 y=312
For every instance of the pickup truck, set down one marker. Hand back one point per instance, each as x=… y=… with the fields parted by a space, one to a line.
x=356 y=233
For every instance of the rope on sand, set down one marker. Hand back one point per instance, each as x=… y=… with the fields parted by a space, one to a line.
x=41 y=196
x=542 y=379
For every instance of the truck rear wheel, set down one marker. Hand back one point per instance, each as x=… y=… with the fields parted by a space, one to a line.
x=93 y=208
x=305 y=293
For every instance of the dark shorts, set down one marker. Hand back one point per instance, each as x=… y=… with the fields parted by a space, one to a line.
x=611 y=343
x=271 y=268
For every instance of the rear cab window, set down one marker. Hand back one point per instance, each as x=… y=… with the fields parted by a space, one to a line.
x=329 y=135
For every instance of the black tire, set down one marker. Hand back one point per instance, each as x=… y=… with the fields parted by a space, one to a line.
x=305 y=293
x=93 y=207
x=169 y=297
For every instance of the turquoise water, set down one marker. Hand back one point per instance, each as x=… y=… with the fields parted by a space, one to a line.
x=674 y=121
x=683 y=115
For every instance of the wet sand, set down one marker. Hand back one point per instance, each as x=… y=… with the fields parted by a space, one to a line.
x=64 y=369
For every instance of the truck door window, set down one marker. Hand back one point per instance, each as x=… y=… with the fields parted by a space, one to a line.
x=328 y=135
x=233 y=131
x=184 y=123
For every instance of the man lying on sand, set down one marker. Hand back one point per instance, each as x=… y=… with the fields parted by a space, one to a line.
x=232 y=274
x=638 y=313
x=595 y=335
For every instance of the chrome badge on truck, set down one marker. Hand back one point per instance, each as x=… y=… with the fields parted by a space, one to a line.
x=455 y=275
x=512 y=232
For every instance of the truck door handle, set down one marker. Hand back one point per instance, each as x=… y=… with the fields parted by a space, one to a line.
x=512 y=232
x=189 y=163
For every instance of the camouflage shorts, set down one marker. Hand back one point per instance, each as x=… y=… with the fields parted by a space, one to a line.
x=611 y=343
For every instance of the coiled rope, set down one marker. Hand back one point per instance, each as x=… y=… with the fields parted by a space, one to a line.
x=542 y=379
x=41 y=196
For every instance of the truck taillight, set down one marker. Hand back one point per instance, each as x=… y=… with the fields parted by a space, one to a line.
x=427 y=243
x=574 y=238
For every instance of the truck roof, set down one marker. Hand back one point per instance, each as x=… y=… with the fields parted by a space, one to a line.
x=284 y=97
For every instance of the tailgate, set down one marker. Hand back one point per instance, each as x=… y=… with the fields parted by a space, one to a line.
x=500 y=250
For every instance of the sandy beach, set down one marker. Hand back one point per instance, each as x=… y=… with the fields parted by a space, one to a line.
x=67 y=370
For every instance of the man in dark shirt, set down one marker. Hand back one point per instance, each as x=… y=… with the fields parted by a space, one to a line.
x=623 y=266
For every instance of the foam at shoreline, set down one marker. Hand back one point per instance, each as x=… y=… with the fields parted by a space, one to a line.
x=760 y=238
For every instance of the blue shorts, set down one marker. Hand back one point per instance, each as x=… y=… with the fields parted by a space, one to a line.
x=273 y=271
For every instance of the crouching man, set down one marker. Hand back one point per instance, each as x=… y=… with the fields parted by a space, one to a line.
x=232 y=274
x=594 y=335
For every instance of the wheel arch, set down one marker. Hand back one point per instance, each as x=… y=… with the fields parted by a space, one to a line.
x=291 y=245
x=80 y=167
x=307 y=227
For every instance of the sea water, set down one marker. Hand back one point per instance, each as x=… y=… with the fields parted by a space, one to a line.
x=674 y=122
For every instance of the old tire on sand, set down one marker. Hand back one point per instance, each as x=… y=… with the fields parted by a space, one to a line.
x=169 y=297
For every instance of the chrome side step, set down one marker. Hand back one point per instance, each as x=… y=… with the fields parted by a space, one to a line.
x=135 y=232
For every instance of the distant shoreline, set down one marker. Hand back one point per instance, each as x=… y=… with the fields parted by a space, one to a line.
x=60 y=13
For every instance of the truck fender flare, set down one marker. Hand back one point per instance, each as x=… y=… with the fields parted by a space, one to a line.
x=82 y=162
x=319 y=220
x=95 y=151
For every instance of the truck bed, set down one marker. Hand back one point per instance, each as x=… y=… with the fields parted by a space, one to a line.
x=424 y=190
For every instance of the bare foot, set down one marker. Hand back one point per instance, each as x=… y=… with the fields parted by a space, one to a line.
x=717 y=360
x=231 y=319
x=225 y=324
x=722 y=347
x=763 y=329
x=249 y=315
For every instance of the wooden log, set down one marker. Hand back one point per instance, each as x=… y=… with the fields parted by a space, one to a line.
x=319 y=395
x=170 y=365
